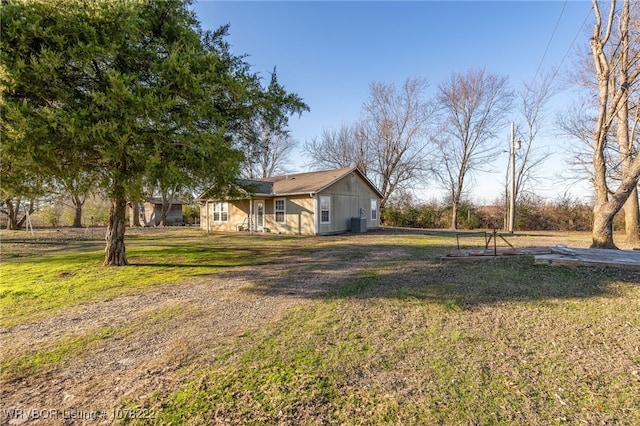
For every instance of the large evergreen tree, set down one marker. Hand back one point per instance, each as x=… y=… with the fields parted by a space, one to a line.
x=123 y=89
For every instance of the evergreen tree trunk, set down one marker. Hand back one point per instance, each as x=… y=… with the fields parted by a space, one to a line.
x=77 y=217
x=115 y=250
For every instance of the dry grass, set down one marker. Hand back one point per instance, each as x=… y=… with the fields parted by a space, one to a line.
x=360 y=329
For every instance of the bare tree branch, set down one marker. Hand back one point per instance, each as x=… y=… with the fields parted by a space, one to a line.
x=475 y=105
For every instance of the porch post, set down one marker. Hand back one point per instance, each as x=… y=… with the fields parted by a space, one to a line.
x=206 y=214
x=250 y=215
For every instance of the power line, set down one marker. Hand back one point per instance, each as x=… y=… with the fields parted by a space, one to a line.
x=564 y=5
x=572 y=43
x=555 y=73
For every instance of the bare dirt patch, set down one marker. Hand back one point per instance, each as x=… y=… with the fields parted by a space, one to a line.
x=155 y=334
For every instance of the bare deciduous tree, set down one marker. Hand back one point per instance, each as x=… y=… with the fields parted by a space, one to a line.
x=615 y=59
x=624 y=129
x=396 y=125
x=475 y=105
x=271 y=157
x=345 y=147
x=532 y=100
x=576 y=123
x=390 y=144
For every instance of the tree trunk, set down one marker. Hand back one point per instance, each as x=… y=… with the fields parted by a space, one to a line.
x=164 y=212
x=454 y=215
x=24 y=217
x=15 y=222
x=115 y=250
x=602 y=233
x=613 y=98
x=77 y=217
x=12 y=220
x=135 y=214
x=632 y=218
x=623 y=137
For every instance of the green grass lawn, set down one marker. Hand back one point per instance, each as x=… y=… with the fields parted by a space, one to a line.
x=408 y=340
x=42 y=276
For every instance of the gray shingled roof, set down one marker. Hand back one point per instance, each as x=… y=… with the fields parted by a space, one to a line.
x=296 y=184
x=304 y=183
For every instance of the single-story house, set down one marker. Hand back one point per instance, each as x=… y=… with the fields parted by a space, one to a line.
x=314 y=203
x=150 y=212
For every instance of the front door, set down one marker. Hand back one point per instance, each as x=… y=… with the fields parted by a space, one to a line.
x=259 y=215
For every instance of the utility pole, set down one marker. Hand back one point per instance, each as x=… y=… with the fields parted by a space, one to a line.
x=512 y=165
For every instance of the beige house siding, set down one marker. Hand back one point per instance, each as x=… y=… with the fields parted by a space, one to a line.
x=299 y=216
x=348 y=196
x=349 y=192
x=238 y=211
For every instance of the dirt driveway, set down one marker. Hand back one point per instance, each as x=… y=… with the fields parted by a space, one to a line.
x=151 y=338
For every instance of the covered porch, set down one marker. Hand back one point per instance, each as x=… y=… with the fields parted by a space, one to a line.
x=253 y=220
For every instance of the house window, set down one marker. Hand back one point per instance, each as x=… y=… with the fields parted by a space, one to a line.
x=220 y=212
x=280 y=210
x=325 y=209
x=374 y=209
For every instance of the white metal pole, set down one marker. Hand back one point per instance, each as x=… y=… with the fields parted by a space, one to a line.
x=512 y=195
x=206 y=215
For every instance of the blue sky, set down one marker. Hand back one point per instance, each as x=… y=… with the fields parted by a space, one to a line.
x=329 y=53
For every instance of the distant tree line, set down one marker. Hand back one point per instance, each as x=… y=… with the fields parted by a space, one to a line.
x=532 y=214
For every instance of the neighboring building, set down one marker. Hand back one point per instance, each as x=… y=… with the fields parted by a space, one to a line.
x=151 y=212
x=315 y=203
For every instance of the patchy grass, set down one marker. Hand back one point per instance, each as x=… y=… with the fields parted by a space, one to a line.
x=374 y=361
x=40 y=359
x=405 y=339
x=498 y=342
x=41 y=277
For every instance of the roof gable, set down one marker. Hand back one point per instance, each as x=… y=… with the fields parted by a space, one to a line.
x=301 y=183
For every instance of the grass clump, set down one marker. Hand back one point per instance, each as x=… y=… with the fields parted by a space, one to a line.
x=43 y=359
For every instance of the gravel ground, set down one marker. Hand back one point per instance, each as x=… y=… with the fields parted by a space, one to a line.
x=157 y=334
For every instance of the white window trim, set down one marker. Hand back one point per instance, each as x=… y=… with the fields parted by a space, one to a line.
x=374 y=211
x=221 y=210
x=283 y=211
x=328 y=198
